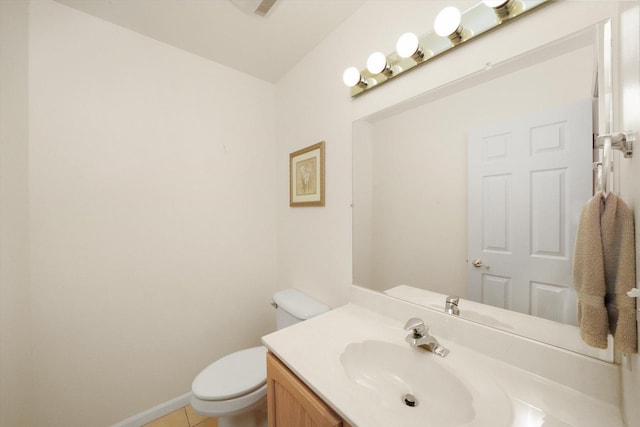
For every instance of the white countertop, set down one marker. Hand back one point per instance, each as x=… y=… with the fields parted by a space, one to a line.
x=503 y=395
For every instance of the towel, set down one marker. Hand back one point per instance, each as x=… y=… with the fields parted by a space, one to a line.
x=618 y=245
x=588 y=276
x=604 y=271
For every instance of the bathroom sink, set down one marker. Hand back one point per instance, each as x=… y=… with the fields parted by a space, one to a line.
x=420 y=384
x=391 y=372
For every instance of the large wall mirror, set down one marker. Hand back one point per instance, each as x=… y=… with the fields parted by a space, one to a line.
x=424 y=210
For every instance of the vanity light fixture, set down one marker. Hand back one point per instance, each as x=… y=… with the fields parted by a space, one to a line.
x=447 y=24
x=502 y=8
x=352 y=78
x=408 y=46
x=377 y=63
x=452 y=28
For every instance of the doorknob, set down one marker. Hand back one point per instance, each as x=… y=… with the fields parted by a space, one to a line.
x=477 y=263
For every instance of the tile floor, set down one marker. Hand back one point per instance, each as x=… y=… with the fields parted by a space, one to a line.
x=183 y=417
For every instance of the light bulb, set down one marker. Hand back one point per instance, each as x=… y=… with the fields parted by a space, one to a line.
x=502 y=8
x=407 y=45
x=377 y=63
x=495 y=3
x=351 y=77
x=447 y=22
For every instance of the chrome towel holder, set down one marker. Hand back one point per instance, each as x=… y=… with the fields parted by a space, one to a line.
x=622 y=141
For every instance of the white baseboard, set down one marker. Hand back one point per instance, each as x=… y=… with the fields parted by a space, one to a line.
x=156 y=412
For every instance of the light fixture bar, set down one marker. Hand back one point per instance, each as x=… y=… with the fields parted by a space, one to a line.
x=450 y=31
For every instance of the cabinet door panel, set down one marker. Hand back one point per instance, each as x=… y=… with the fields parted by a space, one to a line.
x=292 y=404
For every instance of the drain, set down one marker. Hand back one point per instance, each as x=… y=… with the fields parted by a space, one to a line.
x=410 y=400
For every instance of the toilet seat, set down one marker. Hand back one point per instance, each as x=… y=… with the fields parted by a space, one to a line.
x=236 y=374
x=225 y=408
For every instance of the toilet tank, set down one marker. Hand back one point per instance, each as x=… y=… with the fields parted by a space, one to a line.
x=292 y=306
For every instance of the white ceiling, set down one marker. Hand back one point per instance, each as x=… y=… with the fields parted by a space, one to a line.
x=265 y=47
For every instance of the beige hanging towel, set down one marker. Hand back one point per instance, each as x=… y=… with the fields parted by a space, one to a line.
x=618 y=246
x=588 y=276
x=603 y=271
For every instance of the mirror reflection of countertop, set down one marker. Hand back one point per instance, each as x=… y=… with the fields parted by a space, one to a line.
x=358 y=362
x=536 y=328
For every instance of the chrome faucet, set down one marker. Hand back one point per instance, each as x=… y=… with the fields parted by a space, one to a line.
x=420 y=337
x=451 y=305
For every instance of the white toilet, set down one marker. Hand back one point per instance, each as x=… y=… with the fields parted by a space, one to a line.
x=234 y=388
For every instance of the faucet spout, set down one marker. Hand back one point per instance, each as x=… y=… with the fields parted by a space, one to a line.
x=451 y=305
x=420 y=337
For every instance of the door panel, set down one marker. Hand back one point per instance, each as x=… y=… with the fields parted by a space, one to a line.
x=528 y=180
x=548 y=219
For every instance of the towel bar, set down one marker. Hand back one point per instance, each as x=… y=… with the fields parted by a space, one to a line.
x=622 y=141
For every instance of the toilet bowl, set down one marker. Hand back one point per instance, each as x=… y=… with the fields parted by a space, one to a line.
x=233 y=389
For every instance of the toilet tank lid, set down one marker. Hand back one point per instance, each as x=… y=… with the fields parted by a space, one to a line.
x=298 y=304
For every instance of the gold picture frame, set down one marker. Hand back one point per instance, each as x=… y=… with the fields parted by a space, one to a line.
x=306 y=176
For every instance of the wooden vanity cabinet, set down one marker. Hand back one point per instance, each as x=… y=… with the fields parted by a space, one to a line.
x=291 y=403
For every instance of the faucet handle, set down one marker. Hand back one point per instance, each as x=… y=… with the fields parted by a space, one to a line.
x=419 y=329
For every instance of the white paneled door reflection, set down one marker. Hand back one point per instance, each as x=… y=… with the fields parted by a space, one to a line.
x=528 y=180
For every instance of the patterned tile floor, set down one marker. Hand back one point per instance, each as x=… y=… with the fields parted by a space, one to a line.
x=183 y=417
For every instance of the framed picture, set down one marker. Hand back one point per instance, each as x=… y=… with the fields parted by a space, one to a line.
x=306 y=176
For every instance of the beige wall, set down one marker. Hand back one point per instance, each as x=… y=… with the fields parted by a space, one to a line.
x=15 y=321
x=152 y=216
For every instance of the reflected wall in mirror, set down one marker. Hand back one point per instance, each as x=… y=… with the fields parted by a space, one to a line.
x=410 y=184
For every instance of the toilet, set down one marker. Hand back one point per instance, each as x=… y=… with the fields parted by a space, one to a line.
x=234 y=388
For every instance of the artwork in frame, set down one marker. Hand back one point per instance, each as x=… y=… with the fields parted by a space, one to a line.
x=306 y=176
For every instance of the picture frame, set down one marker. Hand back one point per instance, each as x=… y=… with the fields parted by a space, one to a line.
x=306 y=176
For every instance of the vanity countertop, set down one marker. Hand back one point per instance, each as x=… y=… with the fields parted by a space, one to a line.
x=499 y=394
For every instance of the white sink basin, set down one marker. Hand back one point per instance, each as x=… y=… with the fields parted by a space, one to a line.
x=388 y=372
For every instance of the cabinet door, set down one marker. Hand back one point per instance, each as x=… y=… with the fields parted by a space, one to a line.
x=291 y=403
